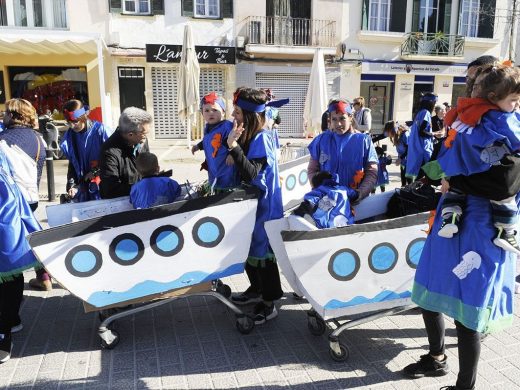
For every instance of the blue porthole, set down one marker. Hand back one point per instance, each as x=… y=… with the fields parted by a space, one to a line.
x=208 y=232
x=383 y=258
x=290 y=182
x=83 y=261
x=414 y=251
x=344 y=265
x=126 y=249
x=303 y=178
x=167 y=240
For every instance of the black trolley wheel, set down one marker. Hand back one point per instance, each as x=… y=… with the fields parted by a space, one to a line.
x=316 y=325
x=342 y=356
x=110 y=345
x=245 y=324
x=224 y=290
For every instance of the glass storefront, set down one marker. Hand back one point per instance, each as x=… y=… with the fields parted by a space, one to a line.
x=378 y=97
x=48 y=88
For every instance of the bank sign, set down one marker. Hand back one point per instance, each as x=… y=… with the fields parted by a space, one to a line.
x=413 y=68
x=205 y=54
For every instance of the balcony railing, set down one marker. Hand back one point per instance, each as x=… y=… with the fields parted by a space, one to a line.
x=287 y=31
x=433 y=44
x=34 y=14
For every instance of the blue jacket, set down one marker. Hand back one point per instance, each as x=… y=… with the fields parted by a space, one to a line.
x=154 y=191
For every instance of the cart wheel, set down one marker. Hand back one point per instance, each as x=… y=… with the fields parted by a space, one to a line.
x=316 y=325
x=245 y=324
x=342 y=355
x=109 y=339
x=224 y=289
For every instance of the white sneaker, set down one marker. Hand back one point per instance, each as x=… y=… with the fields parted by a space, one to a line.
x=450 y=225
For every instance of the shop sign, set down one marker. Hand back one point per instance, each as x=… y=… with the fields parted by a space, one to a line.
x=406 y=86
x=205 y=54
x=413 y=69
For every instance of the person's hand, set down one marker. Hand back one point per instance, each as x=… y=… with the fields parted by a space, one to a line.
x=445 y=185
x=72 y=192
x=234 y=135
x=229 y=160
x=194 y=149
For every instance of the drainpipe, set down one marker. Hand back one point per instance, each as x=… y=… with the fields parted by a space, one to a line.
x=101 y=71
x=512 y=31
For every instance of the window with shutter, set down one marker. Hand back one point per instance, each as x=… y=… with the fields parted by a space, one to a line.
x=136 y=7
x=187 y=7
x=115 y=6
x=158 y=7
x=207 y=9
x=226 y=10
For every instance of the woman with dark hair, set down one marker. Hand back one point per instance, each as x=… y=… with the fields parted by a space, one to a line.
x=82 y=145
x=420 y=146
x=252 y=147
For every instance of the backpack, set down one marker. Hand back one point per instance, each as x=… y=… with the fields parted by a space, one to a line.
x=412 y=199
x=23 y=169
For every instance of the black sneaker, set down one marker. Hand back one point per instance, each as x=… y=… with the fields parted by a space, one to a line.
x=427 y=366
x=506 y=239
x=247 y=297
x=450 y=225
x=263 y=313
x=6 y=346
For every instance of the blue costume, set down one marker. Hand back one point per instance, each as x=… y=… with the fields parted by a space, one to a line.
x=420 y=147
x=215 y=150
x=270 y=200
x=332 y=205
x=467 y=277
x=402 y=147
x=16 y=222
x=345 y=155
x=83 y=150
x=382 y=172
x=154 y=191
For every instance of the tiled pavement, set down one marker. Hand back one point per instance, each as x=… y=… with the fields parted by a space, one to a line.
x=193 y=344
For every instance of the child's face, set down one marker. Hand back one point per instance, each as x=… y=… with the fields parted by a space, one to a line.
x=340 y=122
x=510 y=103
x=212 y=113
x=238 y=115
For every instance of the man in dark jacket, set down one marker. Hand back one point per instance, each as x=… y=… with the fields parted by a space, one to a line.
x=118 y=154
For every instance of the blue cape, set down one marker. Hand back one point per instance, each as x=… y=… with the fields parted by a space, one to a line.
x=154 y=191
x=16 y=222
x=402 y=147
x=382 y=172
x=270 y=201
x=474 y=150
x=85 y=155
x=215 y=149
x=420 y=148
x=333 y=205
x=467 y=277
x=345 y=155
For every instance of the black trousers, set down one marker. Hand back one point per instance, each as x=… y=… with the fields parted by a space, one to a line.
x=468 y=343
x=265 y=279
x=11 y=295
x=404 y=180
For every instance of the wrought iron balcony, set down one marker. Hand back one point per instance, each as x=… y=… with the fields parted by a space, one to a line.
x=287 y=31
x=433 y=44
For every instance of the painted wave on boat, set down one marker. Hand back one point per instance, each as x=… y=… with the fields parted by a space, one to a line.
x=361 y=300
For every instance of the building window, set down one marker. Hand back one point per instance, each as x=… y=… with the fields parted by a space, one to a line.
x=468 y=23
x=138 y=7
x=379 y=15
x=431 y=16
x=207 y=8
x=34 y=13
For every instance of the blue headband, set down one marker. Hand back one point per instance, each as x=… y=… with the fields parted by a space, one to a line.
x=340 y=106
x=253 y=107
x=74 y=115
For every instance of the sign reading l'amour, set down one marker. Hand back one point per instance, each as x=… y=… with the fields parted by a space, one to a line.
x=205 y=54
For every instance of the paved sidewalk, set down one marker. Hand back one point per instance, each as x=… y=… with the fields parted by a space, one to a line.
x=193 y=344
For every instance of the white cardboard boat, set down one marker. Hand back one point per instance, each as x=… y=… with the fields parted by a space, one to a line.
x=133 y=254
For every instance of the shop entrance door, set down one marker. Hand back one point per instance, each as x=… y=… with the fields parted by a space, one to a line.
x=131 y=88
x=419 y=90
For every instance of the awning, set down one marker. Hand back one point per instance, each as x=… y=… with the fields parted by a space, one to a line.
x=43 y=43
x=35 y=42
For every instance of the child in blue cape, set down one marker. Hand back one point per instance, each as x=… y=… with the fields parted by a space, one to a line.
x=345 y=152
x=16 y=222
x=155 y=188
x=253 y=149
x=81 y=145
x=382 y=172
x=399 y=135
x=420 y=143
x=221 y=170
x=328 y=202
x=486 y=129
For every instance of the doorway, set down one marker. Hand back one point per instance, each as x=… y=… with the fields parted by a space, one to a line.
x=131 y=88
x=420 y=88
